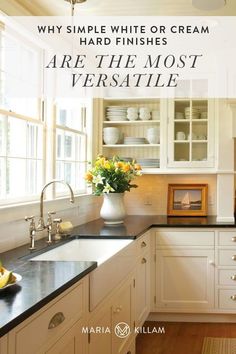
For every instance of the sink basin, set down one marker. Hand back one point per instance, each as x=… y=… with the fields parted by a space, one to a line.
x=84 y=250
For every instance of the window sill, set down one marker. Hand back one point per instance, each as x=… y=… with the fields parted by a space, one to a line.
x=15 y=212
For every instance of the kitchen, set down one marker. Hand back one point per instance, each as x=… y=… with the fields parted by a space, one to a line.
x=142 y=275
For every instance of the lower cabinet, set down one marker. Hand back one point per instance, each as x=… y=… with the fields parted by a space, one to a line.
x=74 y=341
x=3 y=345
x=185 y=279
x=56 y=328
x=111 y=325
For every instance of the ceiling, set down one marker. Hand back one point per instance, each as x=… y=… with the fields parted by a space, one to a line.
x=113 y=7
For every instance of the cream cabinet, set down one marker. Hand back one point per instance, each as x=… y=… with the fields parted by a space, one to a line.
x=57 y=325
x=74 y=341
x=139 y=138
x=142 y=279
x=185 y=279
x=111 y=324
x=226 y=271
x=3 y=345
x=185 y=271
x=191 y=133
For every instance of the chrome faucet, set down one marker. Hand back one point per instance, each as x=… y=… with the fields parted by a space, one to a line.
x=32 y=231
x=41 y=225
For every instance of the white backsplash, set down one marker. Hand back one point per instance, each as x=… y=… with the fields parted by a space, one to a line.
x=150 y=198
x=16 y=233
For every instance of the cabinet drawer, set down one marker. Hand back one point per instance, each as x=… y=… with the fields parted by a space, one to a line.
x=36 y=333
x=185 y=238
x=227 y=277
x=227 y=238
x=143 y=244
x=225 y=299
x=226 y=257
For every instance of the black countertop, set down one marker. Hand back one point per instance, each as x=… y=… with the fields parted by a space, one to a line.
x=43 y=281
x=136 y=225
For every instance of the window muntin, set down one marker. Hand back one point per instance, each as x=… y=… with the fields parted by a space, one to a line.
x=71 y=143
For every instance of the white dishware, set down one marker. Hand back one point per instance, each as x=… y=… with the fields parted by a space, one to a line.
x=111 y=135
x=153 y=135
x=180 y=136
x=132 y=110
x=132 y=116
x=144 y=113
x=179 y=115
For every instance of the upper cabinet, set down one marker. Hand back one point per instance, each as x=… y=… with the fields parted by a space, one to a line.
x=190 y=133
x=159 y=134
x=131 y=129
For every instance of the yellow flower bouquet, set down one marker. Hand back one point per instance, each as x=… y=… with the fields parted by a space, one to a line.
x=112 y=175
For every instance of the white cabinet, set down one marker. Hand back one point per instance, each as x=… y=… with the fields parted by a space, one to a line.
x=226 y=271
x=185 y=279
x=149 y=148
x=55 y=325
x=74 y=341
x=3 y=345
x=111 y=319
x=185 y=270
x=123 y=316
x=142 y=279
x=191 y=133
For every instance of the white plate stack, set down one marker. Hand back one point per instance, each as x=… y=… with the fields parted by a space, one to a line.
x=149 y=162
x=132 y=140
x=195 y=113
x=111 y=135
x=116 y=113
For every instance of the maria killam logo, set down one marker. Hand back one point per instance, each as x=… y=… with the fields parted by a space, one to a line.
x=122 y=330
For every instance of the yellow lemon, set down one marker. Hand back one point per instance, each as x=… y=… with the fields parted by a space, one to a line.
x=5 y=277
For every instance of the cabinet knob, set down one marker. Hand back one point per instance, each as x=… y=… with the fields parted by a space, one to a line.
x=233 y=277
x=56 y=320
x=143 y=260
x=234 y=257
x=233 y=239
x=211 y=262
x=143 y=244
x=233 y=297
x=118 y=309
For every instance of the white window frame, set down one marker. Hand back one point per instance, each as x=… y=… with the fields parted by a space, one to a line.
x=16 y=209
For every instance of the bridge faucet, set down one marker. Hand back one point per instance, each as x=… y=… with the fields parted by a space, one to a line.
x=41 y=224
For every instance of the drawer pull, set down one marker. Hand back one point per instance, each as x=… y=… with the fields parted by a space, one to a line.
x=56 y=320
x=143 y=260
x=234 y=258
x=233 y=277
x=143 y=244
x=233 y=297
x=233 y=239
x=118 y=309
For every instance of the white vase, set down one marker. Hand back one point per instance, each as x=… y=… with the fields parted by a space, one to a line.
x=113 y=209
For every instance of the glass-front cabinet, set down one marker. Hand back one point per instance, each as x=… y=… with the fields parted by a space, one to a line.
x=191 y=133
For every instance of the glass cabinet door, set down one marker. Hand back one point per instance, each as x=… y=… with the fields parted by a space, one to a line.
x=189 y=131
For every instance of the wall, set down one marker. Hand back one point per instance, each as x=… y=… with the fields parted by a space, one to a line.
x=153 y=189
x=15 y=232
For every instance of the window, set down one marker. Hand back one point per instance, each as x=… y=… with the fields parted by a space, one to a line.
x=36 y=146
x=21 y=158
x=71 y=143
x=21 y=127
